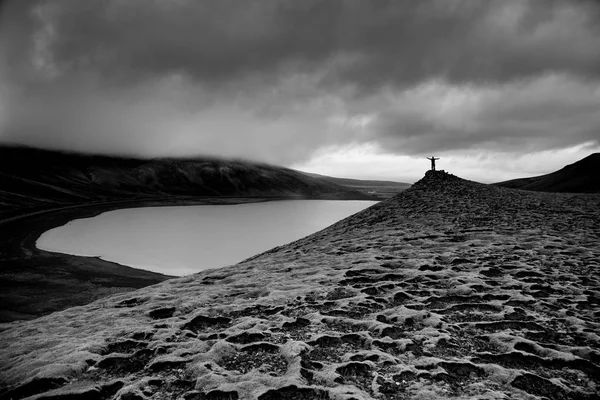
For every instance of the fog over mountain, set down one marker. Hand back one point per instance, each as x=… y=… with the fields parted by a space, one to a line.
x=351 y=88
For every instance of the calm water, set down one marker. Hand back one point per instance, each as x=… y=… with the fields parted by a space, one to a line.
x=184 y=240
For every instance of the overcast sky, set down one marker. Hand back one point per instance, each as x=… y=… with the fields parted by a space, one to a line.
x=367 y=89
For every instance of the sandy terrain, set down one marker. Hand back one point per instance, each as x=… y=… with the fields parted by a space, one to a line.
x=452 y=289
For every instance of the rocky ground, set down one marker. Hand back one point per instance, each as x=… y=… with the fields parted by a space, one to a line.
x=452 y=289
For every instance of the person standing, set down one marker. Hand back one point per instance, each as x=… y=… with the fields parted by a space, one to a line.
x=432 y=162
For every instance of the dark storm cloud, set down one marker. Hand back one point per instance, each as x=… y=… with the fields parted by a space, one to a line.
x=277 y=79
x=383 y=42
x=551 y=112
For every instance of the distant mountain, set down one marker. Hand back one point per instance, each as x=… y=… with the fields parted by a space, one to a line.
x=41 y=178
x=580 y=177
x=383 y=189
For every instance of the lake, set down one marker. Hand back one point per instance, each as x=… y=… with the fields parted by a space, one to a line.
x=185 y=240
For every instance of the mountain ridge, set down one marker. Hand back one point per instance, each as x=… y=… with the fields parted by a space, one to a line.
x=42 y=178
x=582 y=176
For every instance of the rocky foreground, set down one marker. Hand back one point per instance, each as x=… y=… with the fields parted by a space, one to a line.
x=452 y=289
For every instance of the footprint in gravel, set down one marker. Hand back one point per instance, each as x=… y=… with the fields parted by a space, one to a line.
x=121 y=365
x=353 y=311
x=460 y=373
x=496 y=326
x=203 y=323
x=464 y=343
x=125 y=347
x=446 y=301
x=378 y=290
x=357 y=374
x=340 y=325
x=392 y=347
x=162 y=313
x=255 y=311
x=332 y=348
x=142 y=335
x=295 y=393
x=168 y=366
x=298 y=323
x=340 y=293
x=212 y=395
x=246 y=337
x=264 y=357
x=395 y=388
x=434 y=268
x=538 y=386
x=400 y=298
x=133 y=302
x=173 y=387
x=473 y=312
x=298 y=329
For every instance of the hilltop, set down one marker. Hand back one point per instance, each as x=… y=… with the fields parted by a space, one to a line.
x=450 y=289
x=582 y=176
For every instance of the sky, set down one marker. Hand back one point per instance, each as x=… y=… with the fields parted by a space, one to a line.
x=497 y=89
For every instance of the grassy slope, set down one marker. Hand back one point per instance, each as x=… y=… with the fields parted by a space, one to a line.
x=580 y=177
x=383 y=189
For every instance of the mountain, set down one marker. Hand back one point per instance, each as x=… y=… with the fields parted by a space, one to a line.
x=451 y=289
x=384 y=189
x=41 y=178
x=582 y=176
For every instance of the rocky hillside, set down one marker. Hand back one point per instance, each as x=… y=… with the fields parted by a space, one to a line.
x=580 y=177
x=451 y=289
x=40 y=178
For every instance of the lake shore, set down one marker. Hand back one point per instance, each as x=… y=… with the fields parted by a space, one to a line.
x=183 y=240
x=34 y=282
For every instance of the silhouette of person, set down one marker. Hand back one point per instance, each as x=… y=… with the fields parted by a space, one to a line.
x=432 y=162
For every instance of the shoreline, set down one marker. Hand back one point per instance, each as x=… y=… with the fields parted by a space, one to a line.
x=35 y=282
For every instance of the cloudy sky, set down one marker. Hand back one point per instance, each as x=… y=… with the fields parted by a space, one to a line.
x=497 y=89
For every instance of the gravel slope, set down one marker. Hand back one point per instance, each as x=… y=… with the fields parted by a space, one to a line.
x=451 y=289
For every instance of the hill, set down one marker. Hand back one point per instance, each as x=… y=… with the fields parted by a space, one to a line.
x=582 y=176
x=451 y=289
x=40 y=178
x=383 y=189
